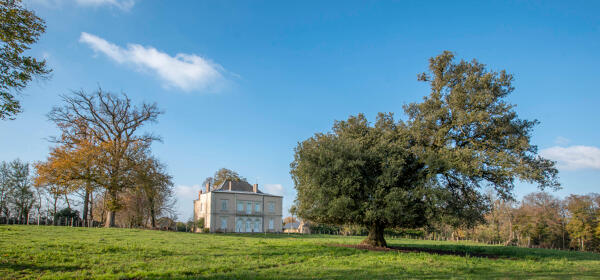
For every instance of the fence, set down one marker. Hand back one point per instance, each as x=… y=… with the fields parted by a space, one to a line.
x=49 y=221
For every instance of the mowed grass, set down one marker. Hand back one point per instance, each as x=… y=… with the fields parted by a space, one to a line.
x=46 y=252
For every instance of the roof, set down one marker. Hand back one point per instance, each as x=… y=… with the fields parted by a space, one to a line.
x=293 y=225
x=239 y=186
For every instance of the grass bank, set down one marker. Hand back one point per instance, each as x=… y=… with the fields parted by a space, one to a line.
x=46 y=252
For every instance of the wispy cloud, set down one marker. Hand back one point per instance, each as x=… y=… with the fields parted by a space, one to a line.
x=188 y=72
x=276 y=189
x=121 y=4
x=574 y=157
x=183 y=191
x=562 y=141
x=185 y=196
x=124 y=5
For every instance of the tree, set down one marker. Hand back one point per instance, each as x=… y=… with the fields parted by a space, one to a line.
x=463 y=136
x=112 y=124
x=151 y=195
x=19 y=29
x=540 y=220
x=4 y=190
x=361 y=174
x=157 y=186
x=584 y=219
x=21 y=194
x=223 y=175
x=70 y=168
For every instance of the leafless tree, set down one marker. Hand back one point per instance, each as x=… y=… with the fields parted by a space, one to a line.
x=113 y=124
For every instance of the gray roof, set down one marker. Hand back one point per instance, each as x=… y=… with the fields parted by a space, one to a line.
x=293 y=225
x=237 y=186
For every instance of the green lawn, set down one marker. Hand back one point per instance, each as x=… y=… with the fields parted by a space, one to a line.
x=62 y=252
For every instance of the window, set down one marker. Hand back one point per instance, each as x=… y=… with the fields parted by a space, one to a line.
x=271 y=207
x=240 y=206
x=224 y=203
x=257 y=207
x=271 y=224
x=248 y=207
x=223 y=223
x=248 y=225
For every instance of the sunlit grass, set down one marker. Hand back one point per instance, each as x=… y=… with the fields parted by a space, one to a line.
x=63 y=252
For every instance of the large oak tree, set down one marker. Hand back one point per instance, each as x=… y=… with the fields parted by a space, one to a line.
x=463 y=136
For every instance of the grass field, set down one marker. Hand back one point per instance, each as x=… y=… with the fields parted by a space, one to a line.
x=33 y=252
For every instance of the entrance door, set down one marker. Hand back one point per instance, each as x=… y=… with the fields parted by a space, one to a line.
x=248 y=229
x=257 y=225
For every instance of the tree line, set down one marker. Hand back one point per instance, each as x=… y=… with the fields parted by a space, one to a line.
x=101 y=161
x=539 y=220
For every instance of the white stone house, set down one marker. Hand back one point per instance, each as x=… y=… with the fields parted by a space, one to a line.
x=238 y=207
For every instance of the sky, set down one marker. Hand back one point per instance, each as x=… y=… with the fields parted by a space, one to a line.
x=242 y=82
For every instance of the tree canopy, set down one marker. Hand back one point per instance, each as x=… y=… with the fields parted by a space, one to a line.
x=223 y=175
x=463 y=136
x=19 y=29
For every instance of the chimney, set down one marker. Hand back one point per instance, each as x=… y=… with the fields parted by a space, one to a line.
x=207 y=187
x=229 y=185
x=255 y=188
x=199 y=194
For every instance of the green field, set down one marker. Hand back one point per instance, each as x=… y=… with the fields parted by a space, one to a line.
x=63 y=252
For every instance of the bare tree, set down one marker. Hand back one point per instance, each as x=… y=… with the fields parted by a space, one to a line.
x=113 y=124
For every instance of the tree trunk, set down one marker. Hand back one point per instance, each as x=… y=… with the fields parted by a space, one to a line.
x=112 y=208
x=86 y=200
x=375 y=237
x=110 y=219
x=152 y=217
x=67 y=200
x=91 y=209
x=54 y=221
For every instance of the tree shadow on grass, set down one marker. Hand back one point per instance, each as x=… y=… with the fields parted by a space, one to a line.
x=509 y=252
x=328 y=273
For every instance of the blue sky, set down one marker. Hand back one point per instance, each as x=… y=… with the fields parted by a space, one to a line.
x=242 y=82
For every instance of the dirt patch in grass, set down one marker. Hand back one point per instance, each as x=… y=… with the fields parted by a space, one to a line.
x=419 y=250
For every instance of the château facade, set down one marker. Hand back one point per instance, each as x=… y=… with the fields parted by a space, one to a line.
x=238 y=207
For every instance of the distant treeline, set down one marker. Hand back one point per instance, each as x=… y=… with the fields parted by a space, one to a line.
x=24 y=202
x=539 y=220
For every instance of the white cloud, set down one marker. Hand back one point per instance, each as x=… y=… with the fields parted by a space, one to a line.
x=574 y=157
x=185 y=196
x=276 y=189
x=187 y=72
x=121 y=4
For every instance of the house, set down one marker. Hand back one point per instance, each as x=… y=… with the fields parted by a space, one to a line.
x=236 y=206
x=291 y=227
x=297 y=227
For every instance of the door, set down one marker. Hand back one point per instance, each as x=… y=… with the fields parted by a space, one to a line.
x=248 y=225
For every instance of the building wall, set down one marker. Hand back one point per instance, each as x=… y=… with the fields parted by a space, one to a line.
x=201 y=207
x=210 y=206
